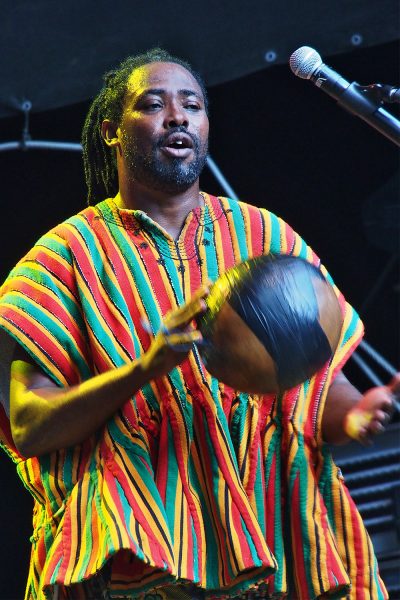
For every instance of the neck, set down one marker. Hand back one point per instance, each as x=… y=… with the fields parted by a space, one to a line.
x=168 y=210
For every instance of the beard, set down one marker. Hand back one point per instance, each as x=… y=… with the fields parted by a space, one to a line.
x=171 y=175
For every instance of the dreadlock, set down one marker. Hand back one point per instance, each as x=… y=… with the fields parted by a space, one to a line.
x=98 y=159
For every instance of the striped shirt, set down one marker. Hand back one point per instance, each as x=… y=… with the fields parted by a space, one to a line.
x=190 y=481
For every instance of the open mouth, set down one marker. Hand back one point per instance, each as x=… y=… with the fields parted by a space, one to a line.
x=178 y=141
x=177 y=145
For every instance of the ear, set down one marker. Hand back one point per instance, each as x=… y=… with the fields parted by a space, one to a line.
x=110 y=133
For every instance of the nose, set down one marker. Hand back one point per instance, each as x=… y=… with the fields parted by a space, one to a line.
x=176 y=116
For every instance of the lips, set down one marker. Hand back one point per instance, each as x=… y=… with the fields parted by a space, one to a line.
x=177 y=145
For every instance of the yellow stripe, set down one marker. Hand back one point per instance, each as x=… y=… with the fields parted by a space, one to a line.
x=219 y=250
x=82 y=284
x=35 y=350
x=266 y=217
x=49 y=315
x=177 y=513
x=85 y=526
x=160 y=521
x=133 y=287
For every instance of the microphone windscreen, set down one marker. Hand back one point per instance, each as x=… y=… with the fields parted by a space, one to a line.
x=304 y=61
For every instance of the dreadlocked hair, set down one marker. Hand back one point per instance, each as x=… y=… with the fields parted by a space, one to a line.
x=99 y=160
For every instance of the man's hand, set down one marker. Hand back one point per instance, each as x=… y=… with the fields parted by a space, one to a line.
x=372 y=413
x=348 y=414
x=45 y=417
x=176 y=337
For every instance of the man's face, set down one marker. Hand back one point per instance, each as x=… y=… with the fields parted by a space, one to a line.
x=164 y=128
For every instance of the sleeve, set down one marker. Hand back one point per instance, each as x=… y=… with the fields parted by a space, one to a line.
x=40 y=309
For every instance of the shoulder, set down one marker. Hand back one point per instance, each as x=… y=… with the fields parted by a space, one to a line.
x=53 y=251
x=257 y=230
x=240 y=206
x=278 y=235
x=62 y=237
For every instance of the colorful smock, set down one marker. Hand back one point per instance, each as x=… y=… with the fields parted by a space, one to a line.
x=190 y=482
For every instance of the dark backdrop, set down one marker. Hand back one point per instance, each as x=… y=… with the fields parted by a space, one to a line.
x=282 y=144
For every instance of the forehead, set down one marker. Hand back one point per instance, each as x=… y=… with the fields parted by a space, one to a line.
x=163 y=75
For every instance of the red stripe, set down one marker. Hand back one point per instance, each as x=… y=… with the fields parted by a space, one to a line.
x=42 y=340
x=160 y=293
x=112 y=471
x=182 y=453
x=44 y=300
x=190 y=547
x=163 y=461
x=193 y=270
x=121 y=270
x=56 y=266
x=208 y=469
x=297 y=542
x=111 y=317
x=290 y=236
x=222 y=455
x=244 y=550
x=358 y=557
x=271 y=505
x=256 y=226
x=225 y=232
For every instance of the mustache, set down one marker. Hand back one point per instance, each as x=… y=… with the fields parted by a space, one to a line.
x=179 y=129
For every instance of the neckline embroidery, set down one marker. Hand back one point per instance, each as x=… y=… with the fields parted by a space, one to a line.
x=145 y=231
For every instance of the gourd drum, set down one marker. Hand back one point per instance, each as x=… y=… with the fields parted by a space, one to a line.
x=271 y=323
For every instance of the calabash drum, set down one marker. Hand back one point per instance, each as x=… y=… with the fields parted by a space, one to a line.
x=270 y=324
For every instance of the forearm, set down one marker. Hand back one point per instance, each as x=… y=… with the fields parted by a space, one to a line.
x=48 y=418
x=348 y=414
x=45 y=418
x=342 y=397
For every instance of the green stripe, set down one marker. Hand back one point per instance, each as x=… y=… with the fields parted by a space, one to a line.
x=105 y=281
x=43 y=278
x=210 y=250
x=239 y=229
x=135 y=267
x=58 y=246
x=275 y=226
x=54 y=330
x=86 y=530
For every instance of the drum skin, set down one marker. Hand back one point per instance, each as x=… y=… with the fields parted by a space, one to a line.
x=270 y=324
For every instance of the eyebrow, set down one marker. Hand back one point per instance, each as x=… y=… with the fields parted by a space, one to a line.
x=161 y=92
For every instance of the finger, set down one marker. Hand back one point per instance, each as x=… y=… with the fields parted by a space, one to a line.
x=182 y=342
x=365 y=440
x=183 y=315
x=381 y=416
x=388 y=405
x=394 y=384
x=147 y=326
x=375 y=428
x=356 y=424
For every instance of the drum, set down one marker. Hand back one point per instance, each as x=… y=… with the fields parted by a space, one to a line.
x=271 y=323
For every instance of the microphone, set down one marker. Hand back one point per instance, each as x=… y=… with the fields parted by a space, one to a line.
x=306 y=63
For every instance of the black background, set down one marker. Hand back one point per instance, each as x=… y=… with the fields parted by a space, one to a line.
x=282 y=144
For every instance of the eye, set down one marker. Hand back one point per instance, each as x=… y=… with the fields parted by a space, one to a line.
x=192 y=106
x=153 y=105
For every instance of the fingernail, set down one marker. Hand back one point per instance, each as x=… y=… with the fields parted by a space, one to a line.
x=203 y=305
x=146 y=325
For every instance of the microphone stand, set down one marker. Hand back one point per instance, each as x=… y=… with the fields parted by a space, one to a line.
x=365 y=101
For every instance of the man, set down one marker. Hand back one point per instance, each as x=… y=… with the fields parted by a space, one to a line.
x=151 y=479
